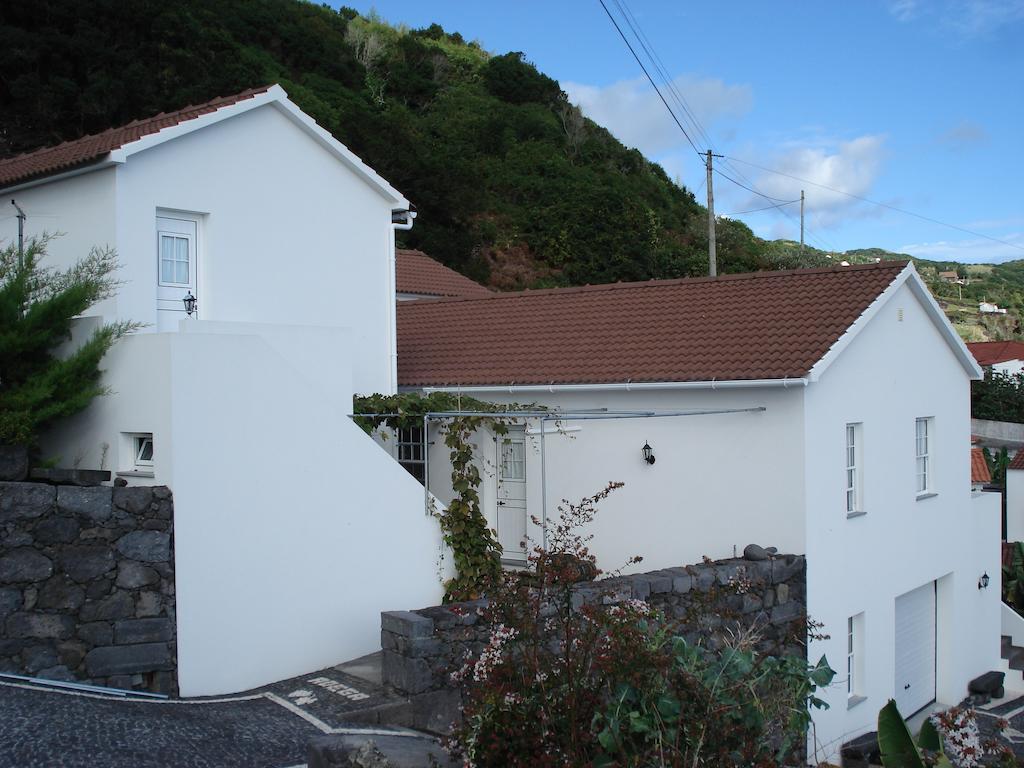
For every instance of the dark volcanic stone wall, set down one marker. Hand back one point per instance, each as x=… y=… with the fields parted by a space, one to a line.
x=87 y=585
x=422 y=648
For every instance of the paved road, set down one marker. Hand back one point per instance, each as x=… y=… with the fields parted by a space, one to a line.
x=270 y=728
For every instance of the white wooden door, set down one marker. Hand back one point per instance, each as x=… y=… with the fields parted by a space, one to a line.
x=176 y=269
x=512 y=493
x=915 y=649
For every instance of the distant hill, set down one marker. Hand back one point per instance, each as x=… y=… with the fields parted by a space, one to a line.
x=514 y=186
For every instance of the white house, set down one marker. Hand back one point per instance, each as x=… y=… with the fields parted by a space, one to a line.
x=821 y=411
x=292 y=532
x=1006 y=357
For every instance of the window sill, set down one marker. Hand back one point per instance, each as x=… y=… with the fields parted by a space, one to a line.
x=853 y=701
x=136 y=473
x=858 y=513
x=926 y=495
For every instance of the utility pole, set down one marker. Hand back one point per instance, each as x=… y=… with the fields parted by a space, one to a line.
x=712 y=257
x=21 y=231
x=801 y=223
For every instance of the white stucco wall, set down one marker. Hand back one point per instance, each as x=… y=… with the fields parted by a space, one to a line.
x=1014 y=505
x=292 y=530
x=892 y=373
x=80 y=208
x=719 y=481
x=287 y=233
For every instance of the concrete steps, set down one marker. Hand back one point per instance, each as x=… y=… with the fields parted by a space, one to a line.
x=1012 y=663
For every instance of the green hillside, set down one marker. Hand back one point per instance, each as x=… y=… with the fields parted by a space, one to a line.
x=513 y=185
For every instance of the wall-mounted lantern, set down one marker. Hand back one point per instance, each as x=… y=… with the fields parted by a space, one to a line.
x=983 y=581
x=190 y=303
x=648 y=453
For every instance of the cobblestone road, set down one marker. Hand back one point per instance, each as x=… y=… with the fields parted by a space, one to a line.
x=44 y=728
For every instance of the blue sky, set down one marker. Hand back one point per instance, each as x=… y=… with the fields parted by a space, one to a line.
x=915 y=103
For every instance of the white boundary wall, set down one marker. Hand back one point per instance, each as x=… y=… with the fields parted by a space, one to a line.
x=292 y=531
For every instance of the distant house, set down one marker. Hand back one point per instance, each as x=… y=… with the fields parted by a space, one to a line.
x=417 y=276
x=1001 y=356
x=821 y=411
x=291 y=530
x=950 y=276
x=988 y=308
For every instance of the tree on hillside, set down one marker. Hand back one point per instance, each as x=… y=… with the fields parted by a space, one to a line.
x=37 y=305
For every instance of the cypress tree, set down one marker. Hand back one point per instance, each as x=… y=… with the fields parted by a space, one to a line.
x=38 y=387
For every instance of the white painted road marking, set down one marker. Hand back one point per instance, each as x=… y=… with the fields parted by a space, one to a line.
x=348 y=692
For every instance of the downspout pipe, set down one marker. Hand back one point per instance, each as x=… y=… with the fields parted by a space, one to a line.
x=402 y=219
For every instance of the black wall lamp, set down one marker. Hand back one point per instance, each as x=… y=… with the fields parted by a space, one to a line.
x=983 y=581
x=190 y=303
x=648 y=453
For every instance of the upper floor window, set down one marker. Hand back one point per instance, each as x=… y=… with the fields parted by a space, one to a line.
x=854 y=486
x=411 y=449
x=924 y=432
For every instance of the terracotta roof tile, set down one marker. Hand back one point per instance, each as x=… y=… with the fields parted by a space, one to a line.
x=415 y=272
x=1018 y=460
x=979 y=467
x=71 y=154
x=765 y=325
x=991 y=352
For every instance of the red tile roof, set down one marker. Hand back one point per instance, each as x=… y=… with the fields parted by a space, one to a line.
x=88 y=149
x=765 y=325
x=991 y=352
x=1018 y=460
x=415 y=272
x=979 y=467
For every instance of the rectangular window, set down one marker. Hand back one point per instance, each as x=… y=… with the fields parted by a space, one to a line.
x=923 y=454
x=855 y=659
x=411 y=449
x=174 y=259
x=854 y=463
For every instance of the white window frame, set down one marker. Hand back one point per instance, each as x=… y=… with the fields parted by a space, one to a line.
x=854 y=469
x=855 y=660
x=924 y=439
x=139 y=443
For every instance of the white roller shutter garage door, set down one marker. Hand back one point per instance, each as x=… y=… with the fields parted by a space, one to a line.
x=915 y=649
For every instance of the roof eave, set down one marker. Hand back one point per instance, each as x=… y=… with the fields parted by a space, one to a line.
x=104 y=161
x=624 y=386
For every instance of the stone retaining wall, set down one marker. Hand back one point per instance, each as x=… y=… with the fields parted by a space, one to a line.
x=422 y=648
x=87 y=585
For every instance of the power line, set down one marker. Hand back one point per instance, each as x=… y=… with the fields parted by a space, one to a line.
x=751 y=189
x=651 y=79
x=758 y=210
x=883 y=205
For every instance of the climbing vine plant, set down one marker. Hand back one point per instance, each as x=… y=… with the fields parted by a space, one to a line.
x=475 y=548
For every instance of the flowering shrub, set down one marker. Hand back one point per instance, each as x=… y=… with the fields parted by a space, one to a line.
x=962 y=741
x=578 y=677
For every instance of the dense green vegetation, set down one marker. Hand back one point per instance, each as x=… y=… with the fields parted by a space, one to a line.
x=514 y=186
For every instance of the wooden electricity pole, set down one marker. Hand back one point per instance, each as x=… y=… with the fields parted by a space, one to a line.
x=712 y=257
x=801 y=224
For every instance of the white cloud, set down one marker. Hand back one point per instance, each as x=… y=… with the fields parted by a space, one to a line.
x=903 y=10
x=977 y=250
x=966 y=18
x=966 y=133
x=852 y=166
x=976 y=18
x=634 y=113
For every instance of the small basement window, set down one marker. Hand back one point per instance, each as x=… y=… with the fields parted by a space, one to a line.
x=135 y=458
x=411 y=449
